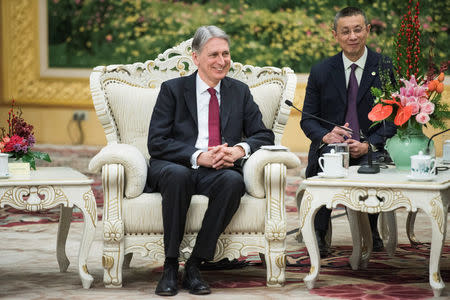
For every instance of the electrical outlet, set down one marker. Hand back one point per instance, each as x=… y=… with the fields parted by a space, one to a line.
x=80 y=115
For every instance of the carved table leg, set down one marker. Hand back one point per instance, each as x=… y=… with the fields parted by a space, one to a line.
x=367 y=242
x=437 y=211
x=63 y=229
x=392 y=242
x=355 y=257
x=307 y=214
x=410 y=228
x=88 y=207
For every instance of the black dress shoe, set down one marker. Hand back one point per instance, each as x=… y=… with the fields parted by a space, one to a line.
x=193 y=281
x=168 y=284
x=323 y=247
x=377 y=242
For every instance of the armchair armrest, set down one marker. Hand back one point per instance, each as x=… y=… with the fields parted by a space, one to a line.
x=253 y=169
x=133 y=162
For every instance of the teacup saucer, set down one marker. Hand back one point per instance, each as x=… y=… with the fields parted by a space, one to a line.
x=427 y=178
x=324 y=175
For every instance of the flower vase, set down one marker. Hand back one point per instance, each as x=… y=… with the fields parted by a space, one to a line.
x=405 y=143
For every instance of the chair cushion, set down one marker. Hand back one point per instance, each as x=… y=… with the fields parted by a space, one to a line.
x=132 y=109
x=267 y=97
x=143 y=214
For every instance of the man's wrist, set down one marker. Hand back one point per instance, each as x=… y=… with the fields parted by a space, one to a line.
x=241 y=150
x=372 y=147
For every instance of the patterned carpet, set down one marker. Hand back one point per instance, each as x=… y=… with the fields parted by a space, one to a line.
x=28 y=268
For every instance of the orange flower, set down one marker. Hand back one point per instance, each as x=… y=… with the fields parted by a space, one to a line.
x=403 y=114
x=380 y=112
x=440 y=87
x=432 y=85
x=441 y=77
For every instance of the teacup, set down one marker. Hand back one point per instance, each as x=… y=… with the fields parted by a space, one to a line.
x=331 y=164
x=4 y=165
x=422 y=166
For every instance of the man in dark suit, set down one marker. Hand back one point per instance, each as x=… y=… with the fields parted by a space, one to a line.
x=328 y=96
x=202 y=127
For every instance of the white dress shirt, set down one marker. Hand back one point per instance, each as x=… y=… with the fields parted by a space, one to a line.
x=361 y=62
x=203 y=98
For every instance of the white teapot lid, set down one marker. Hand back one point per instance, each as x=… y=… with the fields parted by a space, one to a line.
x=332 y=153
x=420 y=155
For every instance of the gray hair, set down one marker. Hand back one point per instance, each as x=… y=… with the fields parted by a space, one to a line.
x=348 y=12
x=204 y=33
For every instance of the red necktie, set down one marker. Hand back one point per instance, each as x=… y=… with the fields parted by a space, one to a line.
x=214 y=120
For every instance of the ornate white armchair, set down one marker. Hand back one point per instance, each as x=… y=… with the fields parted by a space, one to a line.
x=124 y=97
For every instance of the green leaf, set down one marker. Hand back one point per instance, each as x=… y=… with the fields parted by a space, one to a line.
x=40 y=155
x=376 y=92
x=29 y=158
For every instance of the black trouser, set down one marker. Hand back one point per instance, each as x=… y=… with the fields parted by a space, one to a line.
x=177 y=184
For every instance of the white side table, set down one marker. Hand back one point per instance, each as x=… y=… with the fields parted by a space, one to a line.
x=45 y=188
x=375 y=193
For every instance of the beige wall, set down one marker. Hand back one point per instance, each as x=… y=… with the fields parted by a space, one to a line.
x=49 y=103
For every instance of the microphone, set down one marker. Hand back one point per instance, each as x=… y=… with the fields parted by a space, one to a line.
x=427 y=151
x=317 y=118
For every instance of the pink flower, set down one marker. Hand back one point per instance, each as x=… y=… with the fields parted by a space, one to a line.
x=415 y=107
x=411 y=93
x=422 y=118
x=427 y=108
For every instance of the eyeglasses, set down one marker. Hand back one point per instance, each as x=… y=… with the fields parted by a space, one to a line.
x=356 y=31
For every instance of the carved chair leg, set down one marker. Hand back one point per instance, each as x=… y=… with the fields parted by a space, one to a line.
x=113 y=227
x=275 y=259
x=112 y=261
x=275 y=228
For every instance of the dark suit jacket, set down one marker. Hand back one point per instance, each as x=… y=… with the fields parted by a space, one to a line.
x=326 y=97
x=173 y=128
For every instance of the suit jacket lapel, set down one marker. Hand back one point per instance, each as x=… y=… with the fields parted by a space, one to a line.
x=226 y=102
x=338 y=76
x=369 y=74
x=190 y=96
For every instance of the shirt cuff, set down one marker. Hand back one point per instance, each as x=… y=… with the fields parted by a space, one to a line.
x=194 y=159
x=246 y=148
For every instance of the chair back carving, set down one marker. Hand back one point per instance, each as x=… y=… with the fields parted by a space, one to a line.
x=124 y=95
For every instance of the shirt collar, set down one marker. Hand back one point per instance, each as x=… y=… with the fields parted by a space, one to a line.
x=202 y=87
x=360 y=62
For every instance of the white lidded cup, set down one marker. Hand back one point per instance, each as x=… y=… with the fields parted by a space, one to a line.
x=331 y=164
x=422 y=166
x=4 y=171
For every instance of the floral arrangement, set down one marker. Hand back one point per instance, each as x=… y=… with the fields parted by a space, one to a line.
x=18 y=140
x=416 y=100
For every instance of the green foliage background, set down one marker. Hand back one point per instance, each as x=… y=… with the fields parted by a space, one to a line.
x=294 y=33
